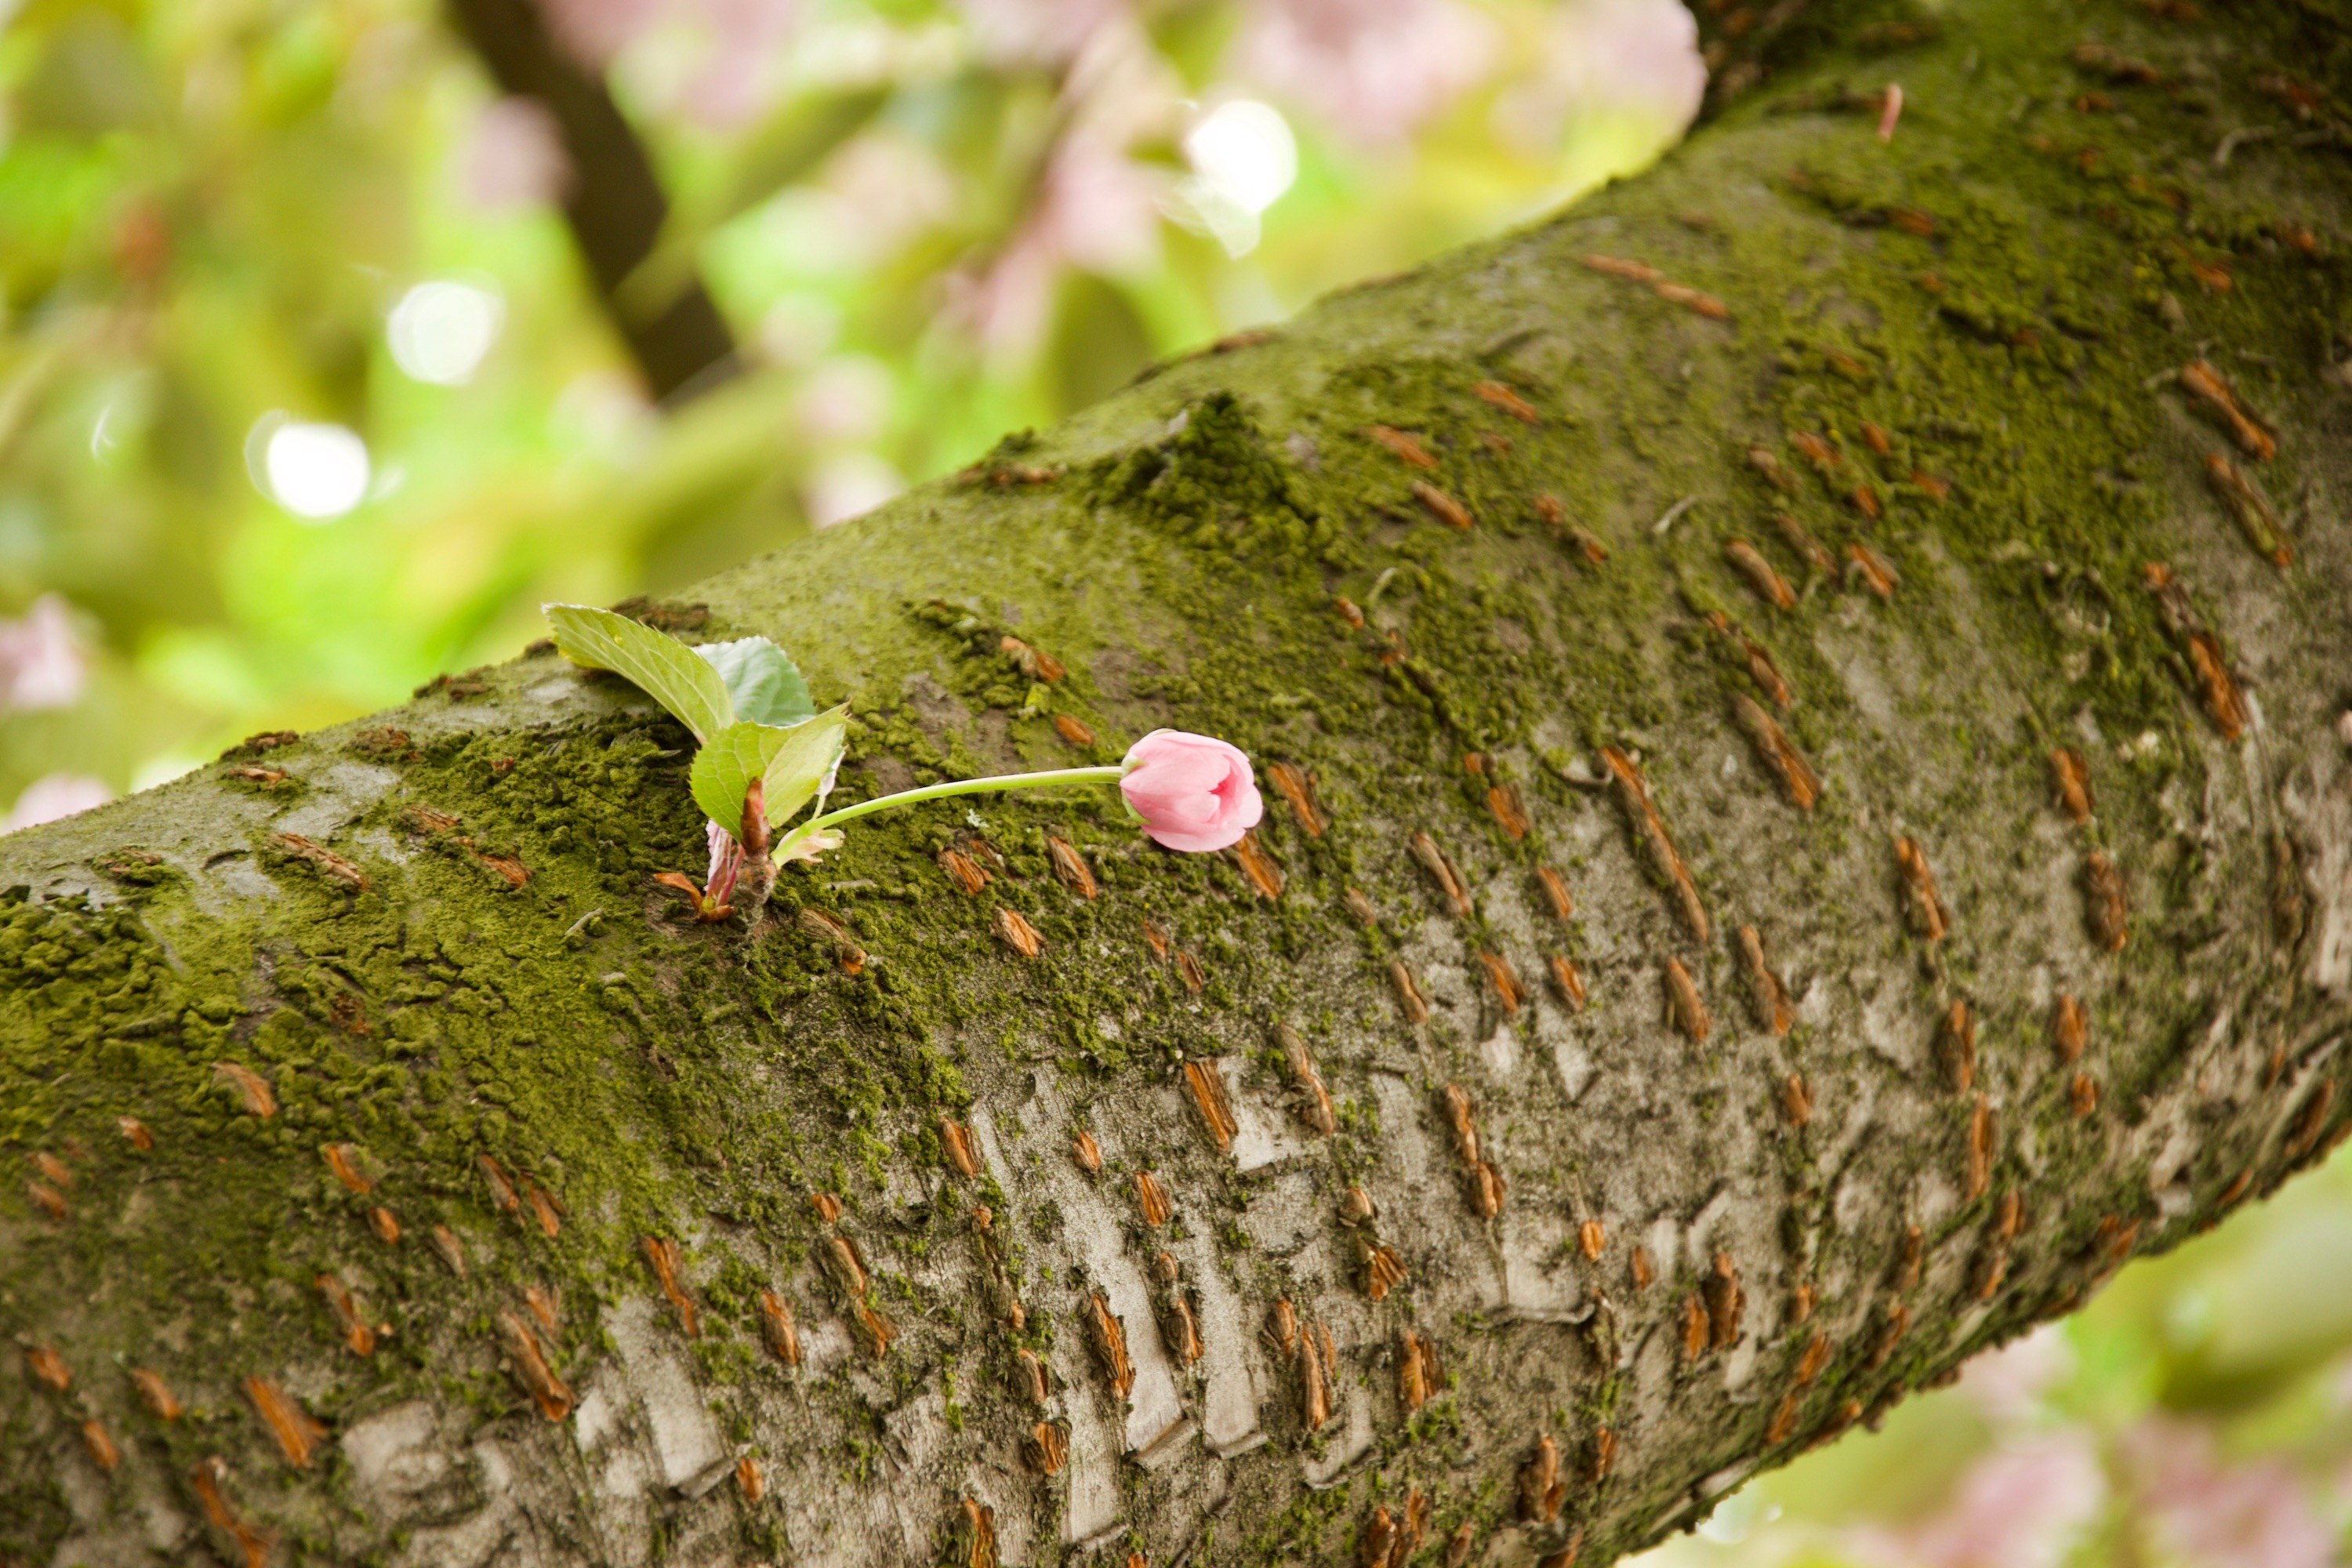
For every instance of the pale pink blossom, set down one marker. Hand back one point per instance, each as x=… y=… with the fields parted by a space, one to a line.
x=1043 y=32
x=2202 y=1508
x=844 y=400
x=1639 y=56
x=726 y=57
x=744 y=45
x=1372 y=69
x=54 y=796
x=2006 y=1385
x=2022 y=1507
x=595 y=31
x=1096 y=207
x=847 y=484
x=515 y=158
x=42 y=664
x=878 y=193
x=1191 y=792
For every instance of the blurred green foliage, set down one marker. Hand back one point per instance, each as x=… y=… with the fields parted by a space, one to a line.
x=210 y=209
x=2196 y=1415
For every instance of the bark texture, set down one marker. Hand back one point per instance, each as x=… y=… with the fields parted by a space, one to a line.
x=1801 y=709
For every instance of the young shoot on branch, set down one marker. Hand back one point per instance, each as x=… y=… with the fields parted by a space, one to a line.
x=764 y=752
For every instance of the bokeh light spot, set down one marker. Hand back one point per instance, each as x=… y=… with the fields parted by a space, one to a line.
x=316 y=471
x=440 y=331
x=1244 y=149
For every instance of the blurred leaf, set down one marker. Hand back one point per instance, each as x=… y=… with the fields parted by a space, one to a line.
x=1099 y=343
x=2278 y=1311
x=765 y=686
x=91 y=79
x=665 y=669
x=781 y=152
x=51 y=190
x=1193 y=35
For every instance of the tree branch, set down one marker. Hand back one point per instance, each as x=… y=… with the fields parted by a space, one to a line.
x=615 y=204
x=1690 y=988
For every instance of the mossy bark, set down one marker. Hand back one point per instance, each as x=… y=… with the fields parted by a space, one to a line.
x=1861 y=1034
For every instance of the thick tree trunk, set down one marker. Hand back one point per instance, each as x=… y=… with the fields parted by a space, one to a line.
x=1686 y=994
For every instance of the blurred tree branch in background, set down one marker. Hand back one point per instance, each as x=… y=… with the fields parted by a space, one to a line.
x=304 y=391
x=612 y=200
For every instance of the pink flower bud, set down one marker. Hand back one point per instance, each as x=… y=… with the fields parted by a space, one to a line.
x=1191 y=792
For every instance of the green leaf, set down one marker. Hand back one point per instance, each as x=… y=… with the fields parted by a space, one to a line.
x=724 y=768
x=764 y=684
x=790 y=764
x=803 y=769
x=692 y=689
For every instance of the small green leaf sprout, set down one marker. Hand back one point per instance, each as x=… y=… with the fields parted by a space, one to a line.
x=764 y=753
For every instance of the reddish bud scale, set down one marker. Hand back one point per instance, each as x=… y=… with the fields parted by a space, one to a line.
x=1759 y=574
x=298 y=1435
x=1408 y=993
x=1110 y=1344
x=1650 y=828
x=1296 y=787
x=955 y=1143
x=100 y=1446
x=1151 y=1200
x=1876 y=573
x=255 y=1543
x=1258 y=868
x=1207 y=1086
x=2203 y=382
x=1404 y=446
x=962 y=870
x=2105 y=911
x=252 y=1090
x=1510 y=812
x=2082 y=1096
x=1504 y=982
x=1442 y=506
x=349 y=1320
x=1777 y=753
x=156 y=1395
x=1014 y=930
x=1922 y=909
x=47 y=1367
x=1683 y=1004
x=547 y=1391
x=666 y=1259
x=2072 y=777
x=1505 y=399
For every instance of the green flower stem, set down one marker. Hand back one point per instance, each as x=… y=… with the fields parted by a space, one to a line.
x=960 y=786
